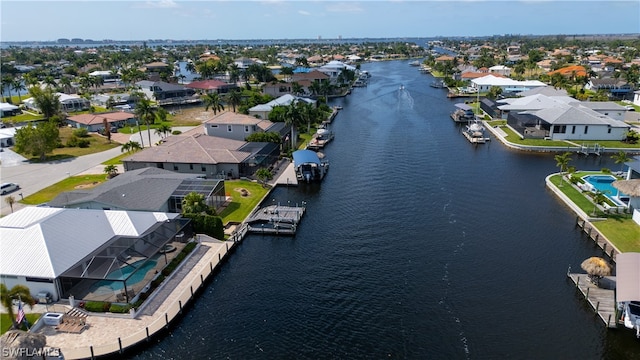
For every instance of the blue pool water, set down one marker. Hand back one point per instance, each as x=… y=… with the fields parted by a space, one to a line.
x=603 y=184
x=123 y=273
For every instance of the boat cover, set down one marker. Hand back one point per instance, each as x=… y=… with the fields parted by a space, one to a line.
x=304 y=157
x=463 y=106
x=628 y=277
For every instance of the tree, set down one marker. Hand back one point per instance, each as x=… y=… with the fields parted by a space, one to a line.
x=111 y=171
x=163 y=129
x=107 y=129
x=131 y=146
x=234 y=98
x=562 y=161
x=270 y=136
x=38 y=140
x=18 y=292
x=213 y=101
x=620 y=157
x=17 y=85
x=264 y=174
x=145 y=112
x=194 y=203
x=46 y=100
x=10 y=200
x=598 y=198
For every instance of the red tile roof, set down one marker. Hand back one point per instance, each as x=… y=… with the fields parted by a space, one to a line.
x=92 y=119
x=207 y=84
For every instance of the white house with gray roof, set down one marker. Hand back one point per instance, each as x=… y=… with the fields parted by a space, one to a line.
x=564 y=118
x=235 y=126
x=485 y=83
x=262 y=110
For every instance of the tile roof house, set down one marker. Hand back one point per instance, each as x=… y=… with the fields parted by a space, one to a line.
x=211 y=86
x=95 y=122
x=195 y=152
x=235 y=126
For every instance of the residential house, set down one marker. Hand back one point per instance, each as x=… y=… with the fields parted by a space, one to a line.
x=500 y=70
x=7 y=109
x=76 y=252
x=334 y=68
x=106 y=75
x=564 y=118
x=262 y=111
x=95 y=122
x=195 y=152
x=507 y=85
x=69 y=103
x=616 y=88
x=155 y=69
x=277 y=88
x=235 y=126
x=168 y=94
x=145 y=189
x=211 y=86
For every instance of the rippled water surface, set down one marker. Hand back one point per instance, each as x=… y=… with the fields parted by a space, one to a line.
x=417 y=245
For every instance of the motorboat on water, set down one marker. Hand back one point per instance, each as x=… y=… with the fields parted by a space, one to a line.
x=308 y=166
x=475 y=133
x=631 y=315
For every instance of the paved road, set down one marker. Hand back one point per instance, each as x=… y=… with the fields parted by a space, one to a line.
x=35 y=177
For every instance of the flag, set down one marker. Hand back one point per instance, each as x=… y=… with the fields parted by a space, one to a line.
x=21 y=314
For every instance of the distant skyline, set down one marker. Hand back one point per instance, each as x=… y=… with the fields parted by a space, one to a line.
x=27 y=20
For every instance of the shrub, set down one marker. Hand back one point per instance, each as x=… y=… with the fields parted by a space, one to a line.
x=176 y=132
x=72 y=141
x=83 y=143
x=82 y=132
x=605 y=171
x=575 y=179
x=97 y=306
x=119 y=309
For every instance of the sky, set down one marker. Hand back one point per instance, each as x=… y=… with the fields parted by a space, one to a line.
x=47 y=20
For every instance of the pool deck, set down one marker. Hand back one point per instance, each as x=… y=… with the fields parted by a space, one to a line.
x=109 y=333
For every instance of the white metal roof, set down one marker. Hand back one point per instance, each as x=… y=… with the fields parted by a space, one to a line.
x=45 y=242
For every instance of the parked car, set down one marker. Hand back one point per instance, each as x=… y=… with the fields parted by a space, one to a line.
x=8 y=187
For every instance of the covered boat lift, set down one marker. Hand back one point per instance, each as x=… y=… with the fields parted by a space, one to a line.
x=308 y=166
x=628 y=289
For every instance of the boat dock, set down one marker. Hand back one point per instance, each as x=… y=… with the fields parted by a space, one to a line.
x=319 y=140
x=275 y=219
x=601 y=298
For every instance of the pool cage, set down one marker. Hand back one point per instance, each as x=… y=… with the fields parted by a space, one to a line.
x=123 y=268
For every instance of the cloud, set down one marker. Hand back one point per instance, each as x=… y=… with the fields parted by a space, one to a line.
x=348 y=7
x=302 y=12
x=161 y=4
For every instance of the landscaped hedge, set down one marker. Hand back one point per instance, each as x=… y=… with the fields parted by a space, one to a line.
x=97 y=306
x=178 y=259
x=207 y=224
x=119 y=309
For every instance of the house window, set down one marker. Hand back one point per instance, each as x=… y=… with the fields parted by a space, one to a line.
x=246 y=128
x=560 y=129
x=203 y=168
x=573 y=129
x=229 y=128
x=190 y=166
x=586 y=129
x=175 y=167
x=214 y=126
x=609 y=130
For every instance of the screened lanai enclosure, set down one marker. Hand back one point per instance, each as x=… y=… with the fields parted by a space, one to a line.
x=124 y=267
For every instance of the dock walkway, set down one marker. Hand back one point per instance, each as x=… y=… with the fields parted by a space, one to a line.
x=601 y=298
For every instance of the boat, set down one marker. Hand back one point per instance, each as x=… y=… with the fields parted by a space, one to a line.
x=415 y=63
x=627 y=290
x=401 y=87
x=475 y=133
x=438 y=84
x=425 y=69
x=322 y=137
x=308 y=166
x=463 y=113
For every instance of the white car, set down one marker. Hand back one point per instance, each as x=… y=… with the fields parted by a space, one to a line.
x=8 y=187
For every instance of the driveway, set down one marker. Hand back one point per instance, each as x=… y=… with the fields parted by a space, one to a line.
x=35 y=177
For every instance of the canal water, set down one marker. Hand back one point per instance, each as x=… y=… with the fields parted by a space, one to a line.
x=417 y=245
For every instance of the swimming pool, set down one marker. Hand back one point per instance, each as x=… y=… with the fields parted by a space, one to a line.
x=603 y=183
x=113 y=281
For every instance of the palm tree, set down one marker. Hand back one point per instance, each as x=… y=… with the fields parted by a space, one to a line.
x=6 y=83
x=111 y=171
x=145 y=112
x=131 y=146
x=296 y=88
x=193 y=203
x=292 y=118
x=598 y=198
x=163 y=129
x=17 y=85
x=10 y=200
x=18 y=292
x=234 y=98
x=212 y=100
x=562 y=161
x=65 y=82
x=263 y=174
x=620 y=157
x=47 y=101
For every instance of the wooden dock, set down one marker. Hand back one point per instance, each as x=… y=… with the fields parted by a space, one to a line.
x=318 y=141
x=601 y=298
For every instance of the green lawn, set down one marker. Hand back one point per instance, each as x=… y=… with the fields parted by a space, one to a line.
x=5 y=321
x=620 y=229
x=68 y=184
x=118 y=159
x=514 y=138
x=97 y=144
x=241 y=206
